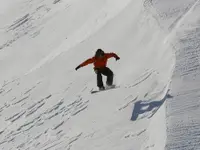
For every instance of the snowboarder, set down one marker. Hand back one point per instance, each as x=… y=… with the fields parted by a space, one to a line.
x=100 y=61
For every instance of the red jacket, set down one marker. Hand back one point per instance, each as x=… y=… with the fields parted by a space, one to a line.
x=99 y=62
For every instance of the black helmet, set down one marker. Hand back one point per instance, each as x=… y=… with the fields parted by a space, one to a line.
x=99 y=53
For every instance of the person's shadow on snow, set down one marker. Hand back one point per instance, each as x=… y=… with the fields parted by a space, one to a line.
x=142 y=107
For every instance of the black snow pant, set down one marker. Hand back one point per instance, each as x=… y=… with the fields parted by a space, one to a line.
x=105 y=71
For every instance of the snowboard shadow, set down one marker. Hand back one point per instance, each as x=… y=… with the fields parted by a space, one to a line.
x=147 y=109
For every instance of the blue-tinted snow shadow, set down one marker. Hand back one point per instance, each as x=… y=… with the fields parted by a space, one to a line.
x=142 y=107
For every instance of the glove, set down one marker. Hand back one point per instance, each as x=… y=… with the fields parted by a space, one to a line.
x=95 y=70
x=117 y=58
x=78 y=67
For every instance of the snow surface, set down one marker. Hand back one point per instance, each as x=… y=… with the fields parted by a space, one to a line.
x=47 y=105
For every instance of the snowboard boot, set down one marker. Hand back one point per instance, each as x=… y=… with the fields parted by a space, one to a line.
x=101 y=88
x=109 y=85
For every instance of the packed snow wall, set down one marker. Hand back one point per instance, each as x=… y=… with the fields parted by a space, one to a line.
x=183 y=109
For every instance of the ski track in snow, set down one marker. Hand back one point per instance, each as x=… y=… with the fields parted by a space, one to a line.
x=24 y=25
x=35 y=117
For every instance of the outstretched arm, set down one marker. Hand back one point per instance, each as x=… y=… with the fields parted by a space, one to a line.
x=87 y=62
x=110 y=55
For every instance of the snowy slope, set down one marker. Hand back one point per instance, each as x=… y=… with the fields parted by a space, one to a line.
x=47 y=105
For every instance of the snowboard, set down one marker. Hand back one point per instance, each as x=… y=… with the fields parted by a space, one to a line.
x=106 y=88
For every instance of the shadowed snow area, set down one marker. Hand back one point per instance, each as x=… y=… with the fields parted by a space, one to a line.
x=45 y=104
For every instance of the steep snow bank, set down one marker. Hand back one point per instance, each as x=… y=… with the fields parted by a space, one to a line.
x=183 y=110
